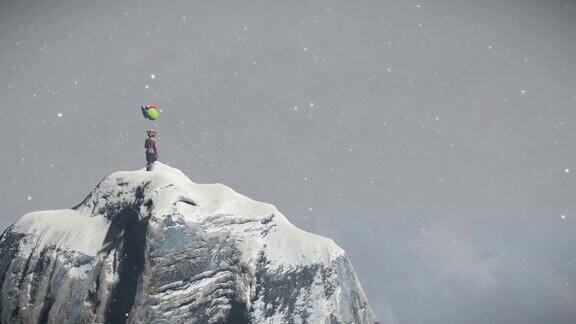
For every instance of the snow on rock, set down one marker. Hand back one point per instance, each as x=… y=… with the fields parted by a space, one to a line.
x=156 y=247
x=66 y=228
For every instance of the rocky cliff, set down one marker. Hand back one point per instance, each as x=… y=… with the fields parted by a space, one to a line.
x=154 y=247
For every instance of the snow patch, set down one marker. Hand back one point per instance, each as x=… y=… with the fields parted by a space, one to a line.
x=65 y=228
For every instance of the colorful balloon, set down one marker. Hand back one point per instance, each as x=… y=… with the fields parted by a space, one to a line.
x=150 y=112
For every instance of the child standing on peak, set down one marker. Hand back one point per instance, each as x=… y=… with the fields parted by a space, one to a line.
x=151 y=150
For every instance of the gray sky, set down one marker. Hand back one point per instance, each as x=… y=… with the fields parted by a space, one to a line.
x=433 y=140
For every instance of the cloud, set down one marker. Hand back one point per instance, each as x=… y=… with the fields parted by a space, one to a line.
x=462 y=269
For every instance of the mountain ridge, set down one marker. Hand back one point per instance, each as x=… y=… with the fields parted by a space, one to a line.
x=157 y=247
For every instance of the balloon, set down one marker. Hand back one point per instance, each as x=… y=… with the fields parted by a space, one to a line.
x=150 y=112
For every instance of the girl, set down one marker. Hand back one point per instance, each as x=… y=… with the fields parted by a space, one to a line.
x=151 y=150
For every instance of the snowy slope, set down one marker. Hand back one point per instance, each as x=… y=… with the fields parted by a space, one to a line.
x=156 y=247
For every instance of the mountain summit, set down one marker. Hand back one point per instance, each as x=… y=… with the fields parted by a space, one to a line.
x=154 y=247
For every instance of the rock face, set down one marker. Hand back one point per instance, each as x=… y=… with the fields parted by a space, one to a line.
x=154 y=247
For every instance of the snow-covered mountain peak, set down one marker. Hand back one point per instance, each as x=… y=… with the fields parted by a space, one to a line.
x=177 y=245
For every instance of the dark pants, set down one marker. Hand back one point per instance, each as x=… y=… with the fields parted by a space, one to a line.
x=150 y=159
